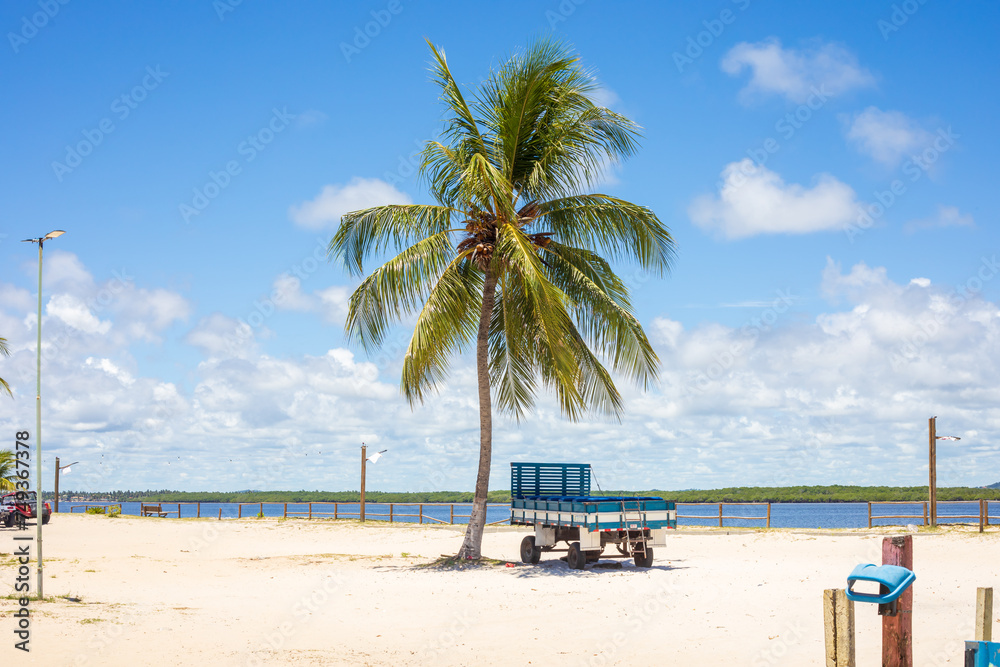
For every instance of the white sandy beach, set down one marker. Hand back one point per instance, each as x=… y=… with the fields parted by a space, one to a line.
x=269 y=592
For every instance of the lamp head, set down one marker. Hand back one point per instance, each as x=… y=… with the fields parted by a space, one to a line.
x=53 y=234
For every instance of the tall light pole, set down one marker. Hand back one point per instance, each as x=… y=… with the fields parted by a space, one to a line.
x=39 y=503
x=59 y=469
x=932 y=465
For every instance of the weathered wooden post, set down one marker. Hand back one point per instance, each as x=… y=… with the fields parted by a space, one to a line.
x=981 y=514
x=768 y=514
x=284 y=511
x=420 y=511
x=451 y=516
x=364 y=457
x=720 y=515
x=984 y=614
x=869 y=514
x=897 y=631
x=390 y=512
x=199 y=509
x=239 y=511
x=220 y=514
x=838 y=621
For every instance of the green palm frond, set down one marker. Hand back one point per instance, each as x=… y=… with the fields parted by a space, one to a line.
x=365 y=233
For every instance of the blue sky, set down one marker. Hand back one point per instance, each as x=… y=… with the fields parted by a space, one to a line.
x=825 y=170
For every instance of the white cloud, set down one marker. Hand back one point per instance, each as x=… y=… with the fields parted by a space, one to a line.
x=219 y=336
x=946 y=216
x=840 y=397
x=333 y=201
x=887 y=136
x=76 y=314
x=755 y=200
x=331 y=302
x=828 y=69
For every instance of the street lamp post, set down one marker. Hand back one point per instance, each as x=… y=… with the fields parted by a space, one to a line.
x=59 y=469
x=39 y=502
x=933 y=437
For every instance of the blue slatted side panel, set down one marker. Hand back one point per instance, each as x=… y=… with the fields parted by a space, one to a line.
x=549 y=479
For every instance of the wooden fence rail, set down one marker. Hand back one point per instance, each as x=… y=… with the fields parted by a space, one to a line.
x=983 y=517
x=766 y=518
x=315 y=510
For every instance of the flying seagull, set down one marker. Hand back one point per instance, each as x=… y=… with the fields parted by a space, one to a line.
x=376 y=456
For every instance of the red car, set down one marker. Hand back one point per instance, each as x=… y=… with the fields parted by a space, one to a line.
x=17 y=507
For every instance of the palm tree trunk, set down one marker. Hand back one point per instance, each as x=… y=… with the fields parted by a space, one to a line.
x=473 y=543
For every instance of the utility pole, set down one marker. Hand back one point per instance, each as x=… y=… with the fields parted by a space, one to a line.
x=364 y=459
x=932 y=468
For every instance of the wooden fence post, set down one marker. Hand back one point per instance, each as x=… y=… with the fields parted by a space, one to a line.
x=897 y=631
x=310 y=510
x=838 y=621
x=390 y=512
x=199 y=509
x=769 y=515
x=261 y=510
x=220 y=514
x=925 y=512
x=284 y=511
x=335 y=510
x=451 y=514
x=720 y=515
x=239 y=510
x=869 y=514
x=421 y=513
x=984 y=614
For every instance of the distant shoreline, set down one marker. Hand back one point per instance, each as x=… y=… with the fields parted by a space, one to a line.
x=792 y=494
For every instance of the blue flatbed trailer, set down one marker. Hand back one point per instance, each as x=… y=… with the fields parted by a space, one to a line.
x=555 y=499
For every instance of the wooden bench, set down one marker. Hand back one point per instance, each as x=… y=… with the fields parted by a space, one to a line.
x=152 y=510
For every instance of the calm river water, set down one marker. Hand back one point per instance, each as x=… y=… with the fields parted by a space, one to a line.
x=783 y=515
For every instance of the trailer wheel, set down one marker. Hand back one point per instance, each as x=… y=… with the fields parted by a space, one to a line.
x=9 y=520
x=644 y=561
x=45 y=519
x=576 y=558
x=529 y=552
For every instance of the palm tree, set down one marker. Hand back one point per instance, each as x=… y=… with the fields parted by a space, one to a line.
x=8 y=469
x=506 y=259
x=5 y=352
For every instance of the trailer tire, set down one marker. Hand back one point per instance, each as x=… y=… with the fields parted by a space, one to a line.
x=529 y=552
x=576 y=559
x=644 y=560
